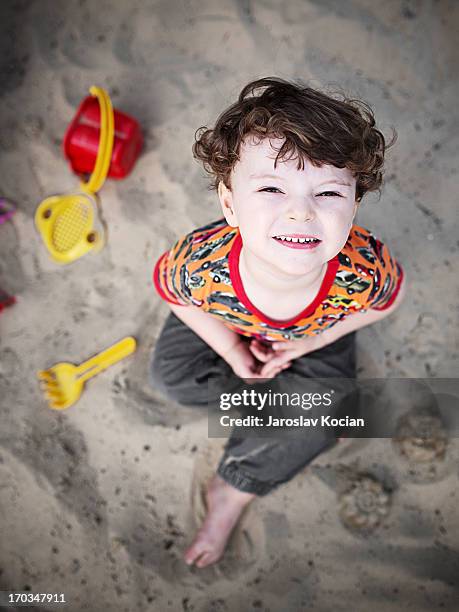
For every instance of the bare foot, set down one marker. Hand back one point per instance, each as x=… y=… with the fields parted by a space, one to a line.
x=224 y=507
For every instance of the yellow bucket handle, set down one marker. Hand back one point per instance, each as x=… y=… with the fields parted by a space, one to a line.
x=107 y=133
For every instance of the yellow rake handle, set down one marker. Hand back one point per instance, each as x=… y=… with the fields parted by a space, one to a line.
x=103 y=360
x=107 y=133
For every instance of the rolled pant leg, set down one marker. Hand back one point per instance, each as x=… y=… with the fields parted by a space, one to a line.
x=258 y=465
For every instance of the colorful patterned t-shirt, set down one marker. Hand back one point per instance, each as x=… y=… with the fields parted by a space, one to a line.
x=202 y=269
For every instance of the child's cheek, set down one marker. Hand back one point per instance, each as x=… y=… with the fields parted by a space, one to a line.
x=339 y=222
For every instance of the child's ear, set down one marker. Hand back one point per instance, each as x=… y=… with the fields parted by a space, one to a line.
x=226 y=202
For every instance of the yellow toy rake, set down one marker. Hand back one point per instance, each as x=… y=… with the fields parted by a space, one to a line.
x=63 y=382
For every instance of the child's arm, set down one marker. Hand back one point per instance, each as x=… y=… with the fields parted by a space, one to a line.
x=361 y=319
x=221 y=339
x=226 y=343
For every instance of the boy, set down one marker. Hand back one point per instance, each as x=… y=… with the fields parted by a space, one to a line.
x=283 y=281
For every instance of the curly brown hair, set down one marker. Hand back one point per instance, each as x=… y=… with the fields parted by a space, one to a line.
x=315 y=126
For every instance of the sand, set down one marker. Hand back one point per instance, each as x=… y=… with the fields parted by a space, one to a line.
x=98 y=501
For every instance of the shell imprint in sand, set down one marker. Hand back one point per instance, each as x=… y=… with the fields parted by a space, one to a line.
x=422 y=440
x=364 y=504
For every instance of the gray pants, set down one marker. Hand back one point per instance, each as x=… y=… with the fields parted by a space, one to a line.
x=181 y=368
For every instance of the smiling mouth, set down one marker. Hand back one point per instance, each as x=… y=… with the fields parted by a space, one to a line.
x=298 y=241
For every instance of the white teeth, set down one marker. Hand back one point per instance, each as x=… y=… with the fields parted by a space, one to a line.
x=302 y=240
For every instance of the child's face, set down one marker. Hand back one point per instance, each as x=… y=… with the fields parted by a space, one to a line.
x=307 y=202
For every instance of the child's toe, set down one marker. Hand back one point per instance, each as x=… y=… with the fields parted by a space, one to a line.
x=204 y=560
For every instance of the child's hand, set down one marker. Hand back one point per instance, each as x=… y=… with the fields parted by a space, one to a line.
x=247 y=366
x=271 y=361
x=279 y=355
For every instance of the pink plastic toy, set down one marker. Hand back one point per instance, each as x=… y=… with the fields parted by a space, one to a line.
x=7 y=210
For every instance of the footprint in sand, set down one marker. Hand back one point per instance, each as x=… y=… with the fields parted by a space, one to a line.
x=156 y=543
x=247 y=542
x=10 y=368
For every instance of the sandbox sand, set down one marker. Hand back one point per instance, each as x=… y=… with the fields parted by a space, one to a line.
x=99 y=501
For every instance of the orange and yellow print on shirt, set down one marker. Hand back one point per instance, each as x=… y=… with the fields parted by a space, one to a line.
x=202 y=269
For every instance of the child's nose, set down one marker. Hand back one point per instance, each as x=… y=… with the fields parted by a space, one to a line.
x=301 y=209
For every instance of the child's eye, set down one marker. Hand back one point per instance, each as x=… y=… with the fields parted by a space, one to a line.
x=275 y=189
x=266 y=189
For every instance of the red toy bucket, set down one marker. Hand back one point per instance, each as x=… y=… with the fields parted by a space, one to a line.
x=81 y=141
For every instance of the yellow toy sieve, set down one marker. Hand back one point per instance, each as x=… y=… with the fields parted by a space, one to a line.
x=66 y=222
